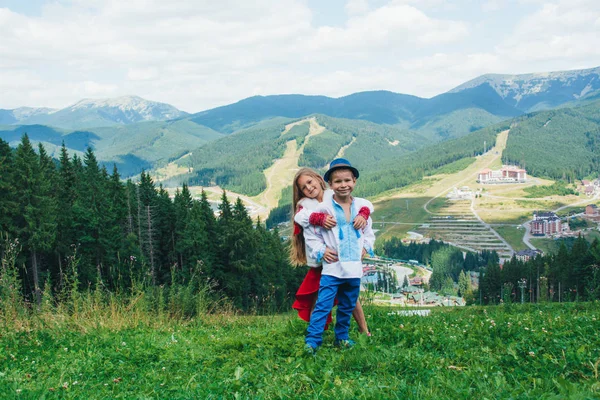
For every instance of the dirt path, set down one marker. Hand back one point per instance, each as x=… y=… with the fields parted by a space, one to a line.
x=466 y=175
x=340 y=153
x=281 y=173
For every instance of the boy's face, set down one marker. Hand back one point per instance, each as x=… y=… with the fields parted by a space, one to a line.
x=342 y=182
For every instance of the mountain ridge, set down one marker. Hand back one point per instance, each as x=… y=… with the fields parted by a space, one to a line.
x=94 y=113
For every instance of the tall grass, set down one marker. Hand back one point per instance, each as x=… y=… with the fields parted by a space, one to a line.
x=141 y=304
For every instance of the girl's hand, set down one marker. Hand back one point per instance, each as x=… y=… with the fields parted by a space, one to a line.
x=364 y=253
x=329 y=222
x=330 y=256
x=359 y=222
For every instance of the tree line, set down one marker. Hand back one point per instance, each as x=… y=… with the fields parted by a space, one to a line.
x=71 y=213
x=569 y=275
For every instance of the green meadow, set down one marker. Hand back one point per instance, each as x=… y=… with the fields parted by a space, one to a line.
x=537 y=351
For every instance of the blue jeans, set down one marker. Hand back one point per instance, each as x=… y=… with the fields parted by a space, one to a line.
x=347 y=291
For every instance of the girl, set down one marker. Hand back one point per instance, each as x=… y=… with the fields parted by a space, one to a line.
x=308 y=191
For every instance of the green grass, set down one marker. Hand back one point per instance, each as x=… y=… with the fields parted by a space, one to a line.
x=513 y=351
x=548 y=246
x=513 y=235
x=395 y=210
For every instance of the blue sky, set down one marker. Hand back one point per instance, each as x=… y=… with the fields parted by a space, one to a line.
x=197 y=55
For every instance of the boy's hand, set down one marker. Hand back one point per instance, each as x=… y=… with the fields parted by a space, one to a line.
x=330 y=256
x=359 y=222
x=329 y=222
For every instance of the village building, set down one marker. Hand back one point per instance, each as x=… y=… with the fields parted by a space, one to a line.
x=547 y=223
x=506 y=174
x=528 y=254
x=592 y=213
x=589 y=187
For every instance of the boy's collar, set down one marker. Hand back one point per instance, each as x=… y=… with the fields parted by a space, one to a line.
x=338 y=203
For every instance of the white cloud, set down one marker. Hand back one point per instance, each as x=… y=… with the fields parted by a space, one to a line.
x=557 y=31
x=201 y=54
x=356 y=7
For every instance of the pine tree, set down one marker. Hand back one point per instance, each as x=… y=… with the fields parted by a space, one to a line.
x=90 y=211
x=7 y=200
x=66 y=194
x=36 y=218
x=116 y=224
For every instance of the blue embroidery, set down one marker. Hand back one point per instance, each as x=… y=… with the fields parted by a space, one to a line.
x=349 y=249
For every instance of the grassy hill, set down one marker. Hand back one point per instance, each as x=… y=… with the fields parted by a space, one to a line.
x=538 y=351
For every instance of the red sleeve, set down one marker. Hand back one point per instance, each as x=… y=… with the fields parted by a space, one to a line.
x=317 y=219
x=364 y=212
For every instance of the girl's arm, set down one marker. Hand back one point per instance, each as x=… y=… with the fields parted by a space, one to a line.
x=360 y=221
x=369 y=237
x=305 y=217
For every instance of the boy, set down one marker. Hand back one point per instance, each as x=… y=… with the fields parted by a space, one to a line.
x=341 y=250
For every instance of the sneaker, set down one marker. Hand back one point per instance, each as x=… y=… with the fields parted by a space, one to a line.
x=344 y=343
x=309 y=350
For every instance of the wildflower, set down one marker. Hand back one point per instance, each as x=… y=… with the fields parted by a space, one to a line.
x=19 y=391
x=401 y=326
x=123 y=344
x=66 y=349
x=117 y=380
x=75 y=383
x=526 y=328
x=531 y=354
x=65 y=385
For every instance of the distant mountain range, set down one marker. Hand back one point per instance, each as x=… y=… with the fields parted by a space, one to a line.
x=540 y=91
x=89 y=113
x=151 y=133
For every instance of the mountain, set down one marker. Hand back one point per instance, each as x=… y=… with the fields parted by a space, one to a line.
x=140 y=132
x=89 y=113
x=539 y=91
x=8 y=117
x=380 y=107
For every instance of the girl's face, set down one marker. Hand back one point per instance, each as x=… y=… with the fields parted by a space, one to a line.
x=309 y=186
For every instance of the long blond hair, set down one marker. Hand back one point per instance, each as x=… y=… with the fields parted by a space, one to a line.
x=297 y=249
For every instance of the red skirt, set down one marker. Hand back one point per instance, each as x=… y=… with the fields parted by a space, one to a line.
x=307 y=294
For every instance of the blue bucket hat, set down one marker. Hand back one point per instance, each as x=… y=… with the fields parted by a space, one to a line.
x=337 y=164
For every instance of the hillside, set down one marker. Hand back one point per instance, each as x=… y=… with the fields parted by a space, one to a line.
x=559 y=144
x=237 y=162
x=131 y=147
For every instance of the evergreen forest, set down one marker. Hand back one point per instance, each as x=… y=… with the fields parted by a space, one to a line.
x=69 y=224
